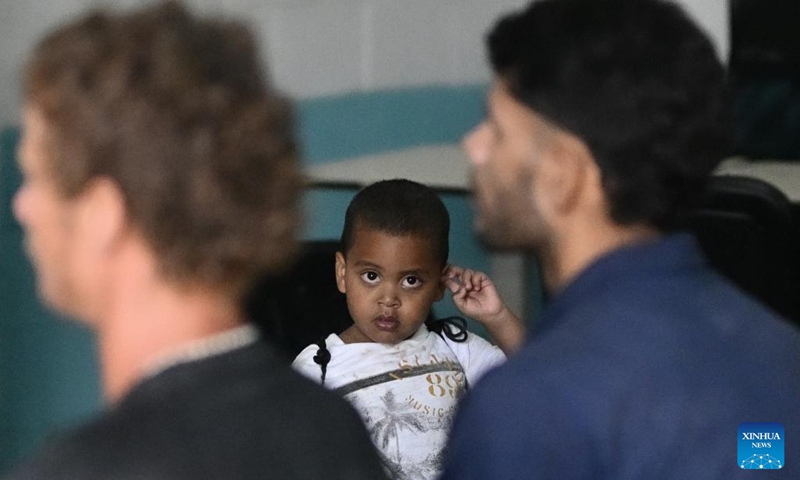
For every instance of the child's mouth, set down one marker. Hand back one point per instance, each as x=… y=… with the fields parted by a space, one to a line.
x=386 y=323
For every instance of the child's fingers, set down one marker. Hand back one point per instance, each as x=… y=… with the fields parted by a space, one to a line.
x=481 y=280
x=452 y=271
x=456 y=287
x=460 y=294
x=454 y=278
x=474 y=279
x=469 y=280
x=454 y=284
x=466 y=278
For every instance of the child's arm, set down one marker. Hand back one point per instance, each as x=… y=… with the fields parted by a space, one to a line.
x=475 y=296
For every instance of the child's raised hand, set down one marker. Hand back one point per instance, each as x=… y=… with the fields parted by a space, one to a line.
x=474 y=294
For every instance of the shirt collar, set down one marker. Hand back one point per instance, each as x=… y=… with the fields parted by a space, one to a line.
x=210 y=346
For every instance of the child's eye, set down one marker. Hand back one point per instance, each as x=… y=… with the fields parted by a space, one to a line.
x=412 y=282
x=370 y=277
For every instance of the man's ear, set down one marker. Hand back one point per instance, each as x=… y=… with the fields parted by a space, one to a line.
x=566 y=173
x=103 y=214
x=341 y=271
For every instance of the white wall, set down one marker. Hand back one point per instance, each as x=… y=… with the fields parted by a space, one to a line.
x=323 y=47
x=712 y=15
x=314 y=47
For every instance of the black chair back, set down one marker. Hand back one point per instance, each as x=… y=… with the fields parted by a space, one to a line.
x=746 y=228
x=303 y=305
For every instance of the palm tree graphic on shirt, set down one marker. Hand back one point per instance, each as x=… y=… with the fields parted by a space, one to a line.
x=398 y=416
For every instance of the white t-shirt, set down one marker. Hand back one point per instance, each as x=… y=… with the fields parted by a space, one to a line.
x=406 y=393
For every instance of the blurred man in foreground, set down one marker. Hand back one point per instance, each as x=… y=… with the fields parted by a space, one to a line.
x=160 y=179
x=605 y=120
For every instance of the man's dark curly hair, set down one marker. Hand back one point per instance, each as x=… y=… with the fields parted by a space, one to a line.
x=637 y=81
x=399 y=207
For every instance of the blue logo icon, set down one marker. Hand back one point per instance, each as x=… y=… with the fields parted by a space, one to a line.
x=761 y=446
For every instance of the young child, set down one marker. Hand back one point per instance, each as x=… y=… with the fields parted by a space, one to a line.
x=404 y=375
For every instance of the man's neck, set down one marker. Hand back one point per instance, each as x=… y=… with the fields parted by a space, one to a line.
x=146 y=324
x=573 y=252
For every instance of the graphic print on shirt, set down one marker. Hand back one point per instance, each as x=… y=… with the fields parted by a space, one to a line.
x=397 y=416
x=408 y=411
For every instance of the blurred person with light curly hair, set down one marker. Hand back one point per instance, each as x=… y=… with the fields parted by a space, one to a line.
x=160 y=180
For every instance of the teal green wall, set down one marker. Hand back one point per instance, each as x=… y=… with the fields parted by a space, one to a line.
x=333 y=128
x=48 y=377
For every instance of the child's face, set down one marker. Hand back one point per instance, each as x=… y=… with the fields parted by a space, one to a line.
x=390 y=282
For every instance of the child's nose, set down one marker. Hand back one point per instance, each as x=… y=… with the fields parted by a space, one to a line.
x=389 y=296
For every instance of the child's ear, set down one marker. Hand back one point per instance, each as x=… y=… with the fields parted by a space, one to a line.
x=341 y=270
x=442 y=287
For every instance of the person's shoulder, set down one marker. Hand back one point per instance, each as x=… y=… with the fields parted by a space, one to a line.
x=56 y=461
x=473 y=345
x=270 y=414
x=86 y=452
x=542 y=375
x=514 y=399
x=475 y=354
x=306 y=356
x=307 y=419
x=476 y=341
x=521 y=368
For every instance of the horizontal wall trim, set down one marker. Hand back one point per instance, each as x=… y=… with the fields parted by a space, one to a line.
x=357 y=124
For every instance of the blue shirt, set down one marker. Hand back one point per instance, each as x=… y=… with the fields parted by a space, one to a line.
x=642 y=368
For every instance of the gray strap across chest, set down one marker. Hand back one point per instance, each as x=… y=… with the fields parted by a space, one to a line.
x=399 y=374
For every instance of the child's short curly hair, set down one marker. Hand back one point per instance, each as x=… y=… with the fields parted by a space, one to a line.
x=399 y=207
